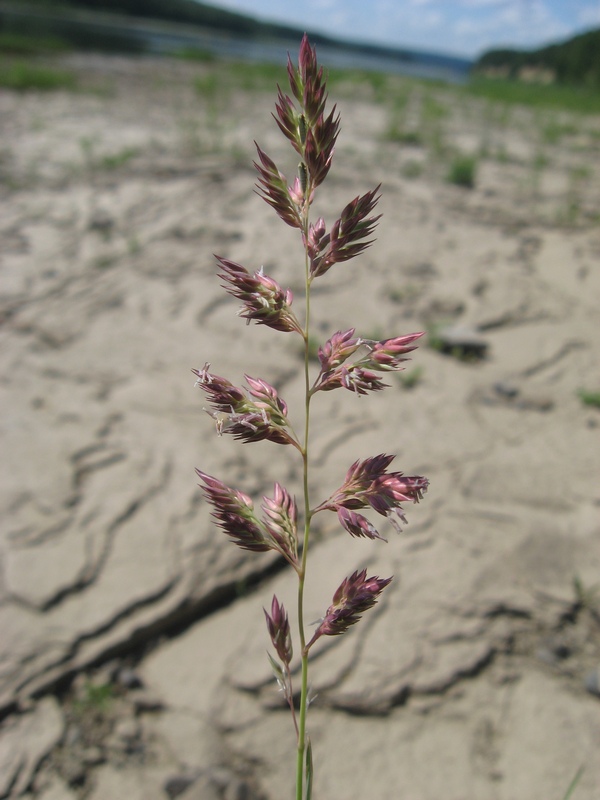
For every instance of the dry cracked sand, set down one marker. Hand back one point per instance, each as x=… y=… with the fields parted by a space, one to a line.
x=132 y=640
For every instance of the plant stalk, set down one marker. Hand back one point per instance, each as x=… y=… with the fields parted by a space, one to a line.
x=300 y=763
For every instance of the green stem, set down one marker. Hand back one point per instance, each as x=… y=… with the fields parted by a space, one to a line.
x=300 y=763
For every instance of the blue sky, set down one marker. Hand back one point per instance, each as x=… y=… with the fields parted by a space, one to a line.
x=458 y=27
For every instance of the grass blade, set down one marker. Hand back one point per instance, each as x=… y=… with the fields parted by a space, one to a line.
x=574 y=782
x=309 y=769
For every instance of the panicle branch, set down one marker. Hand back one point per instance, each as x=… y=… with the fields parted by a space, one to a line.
x=273 y=188
x=234 y=513
x=279 y=631
x=347 y=235
x=250 y=420
x=281 y=518
x=354 y=596
x=337 y=349
x=369 y=485
x=360 y=377
x=264 y=300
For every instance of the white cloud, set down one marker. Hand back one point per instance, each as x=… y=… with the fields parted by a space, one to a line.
x=462 y=27
x=589 y=16
x=488 y=3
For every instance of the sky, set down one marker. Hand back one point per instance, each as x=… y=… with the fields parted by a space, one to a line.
x=457 y=27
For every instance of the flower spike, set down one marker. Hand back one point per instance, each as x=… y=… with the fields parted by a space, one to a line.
x=346 y=239
x=273 y=188
x=369 y=485
x=279 y=631
x=360 y=377
x=354 y=596
x=264 y=300
x=280 y=515
x=234 y=513
x=337 y=349
x=250 y=420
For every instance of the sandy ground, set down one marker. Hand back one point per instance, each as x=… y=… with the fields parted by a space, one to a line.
x=132 y=643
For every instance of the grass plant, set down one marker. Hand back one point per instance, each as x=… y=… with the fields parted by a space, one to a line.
x=24 y=76
x=462 y=171
x=258 y=413
x=113 y=161
x=18 y=44
x=411 y=378
x=589 y=398
x=412 y=169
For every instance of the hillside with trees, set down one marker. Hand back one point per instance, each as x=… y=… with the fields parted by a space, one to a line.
x=574 y=62
x=182 y=11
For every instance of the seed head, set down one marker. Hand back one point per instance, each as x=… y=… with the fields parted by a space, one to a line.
x=361 y=376
x=273 y=188
x=243 y=417
x=357 y=525
x=280 y=519
x=337 y=349
x=264 y=300
x=353 y=597
x=234 y=513
x=386 y=355
x=369 y=485
x=347 y=235
x=279 y=631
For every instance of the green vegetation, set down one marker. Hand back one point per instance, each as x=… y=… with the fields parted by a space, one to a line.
x=553 y=131
x=565 y=75
x=208 y=86
x=575 y=62
x=24 y=76
x=116 y=160
x=194 y=54
x=255 y=77
x=97 y=697
x=586 y=596
x=406 y=293
x=411 y=378
x=214 y=85
x=84 y=34
x=574 y=782
x=412 y=169
x=570 y=98
x=540 y=161
x=432 y=110
x=31 y=34
x=589 y=398
x=406 y=136
x=18 y=44
x=462 y=171
x=434 y=340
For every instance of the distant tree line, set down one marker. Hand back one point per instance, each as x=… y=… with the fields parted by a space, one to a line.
x=183 y=11
x=576 y=61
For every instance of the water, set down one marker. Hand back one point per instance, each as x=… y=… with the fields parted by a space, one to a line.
x=420 y=65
